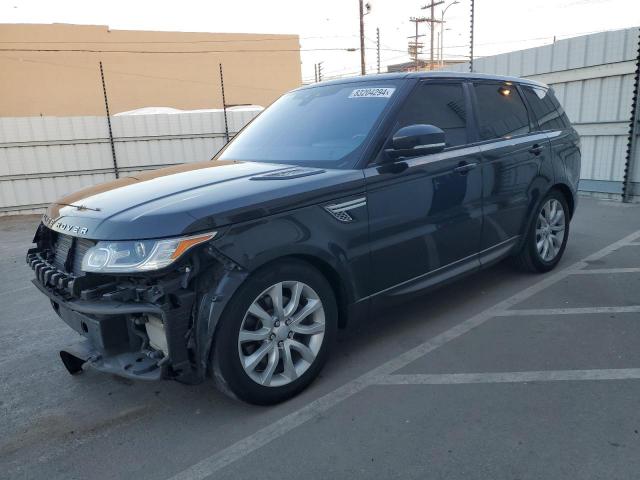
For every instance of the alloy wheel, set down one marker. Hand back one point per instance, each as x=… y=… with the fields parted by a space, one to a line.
x=281 y=333
x=550 y=230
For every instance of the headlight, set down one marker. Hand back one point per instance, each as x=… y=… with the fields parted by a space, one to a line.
x=138 y=255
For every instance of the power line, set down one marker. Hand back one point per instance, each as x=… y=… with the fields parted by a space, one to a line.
x=503 y=41
x=346 y=49
x=89 y=50
x=141 y=75
x=177 y=42
x=270 y=38
x=153 y=42
x=345 y=71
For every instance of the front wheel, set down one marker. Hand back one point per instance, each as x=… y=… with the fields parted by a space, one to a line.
x=275 y=334
x=547 y=237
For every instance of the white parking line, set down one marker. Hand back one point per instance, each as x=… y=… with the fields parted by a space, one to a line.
x=568 y=311
x=596 y=271
x=510 y=377
x=240 y=449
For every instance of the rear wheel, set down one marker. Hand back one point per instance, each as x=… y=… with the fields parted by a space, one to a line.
x=547 y=237
x=274 y=336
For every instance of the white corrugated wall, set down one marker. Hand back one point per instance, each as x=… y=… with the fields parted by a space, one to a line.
x=44 y=158
x=593 y=77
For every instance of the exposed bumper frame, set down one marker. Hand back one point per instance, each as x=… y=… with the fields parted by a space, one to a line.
x=85 y=317
x=189 y=304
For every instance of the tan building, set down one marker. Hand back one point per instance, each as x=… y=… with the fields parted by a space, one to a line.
x=54 y=69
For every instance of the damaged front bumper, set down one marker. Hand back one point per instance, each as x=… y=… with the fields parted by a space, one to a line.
x=131 y=328
x=134 y=365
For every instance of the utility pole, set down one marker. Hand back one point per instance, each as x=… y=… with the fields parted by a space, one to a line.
x=315 y=72
x=363 y=7
x=471 y=40
x=378 y=46
x=432 y=21
x=362 y=63
x=319 y=71
x=415 y=47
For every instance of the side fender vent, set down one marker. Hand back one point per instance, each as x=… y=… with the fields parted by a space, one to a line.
x=340 y=211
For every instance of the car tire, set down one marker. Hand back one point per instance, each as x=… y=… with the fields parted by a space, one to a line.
x=268 y=350
x=547 y=236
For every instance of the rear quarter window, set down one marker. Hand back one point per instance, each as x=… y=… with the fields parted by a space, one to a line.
x=545 y=108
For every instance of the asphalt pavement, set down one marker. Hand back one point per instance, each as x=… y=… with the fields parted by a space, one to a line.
x=501 y=375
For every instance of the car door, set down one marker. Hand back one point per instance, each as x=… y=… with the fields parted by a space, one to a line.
x=515 y=162
x=425 y=212
x=563 y=140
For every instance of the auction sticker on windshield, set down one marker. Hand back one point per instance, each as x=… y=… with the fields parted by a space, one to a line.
x=372 y=92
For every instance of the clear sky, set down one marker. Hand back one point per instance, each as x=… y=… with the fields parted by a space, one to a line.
x=501 y=25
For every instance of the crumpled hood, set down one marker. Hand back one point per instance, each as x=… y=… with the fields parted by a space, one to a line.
x=192 y=198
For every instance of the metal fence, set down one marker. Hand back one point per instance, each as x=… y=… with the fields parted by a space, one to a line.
x=594 y=77
x=44 y=158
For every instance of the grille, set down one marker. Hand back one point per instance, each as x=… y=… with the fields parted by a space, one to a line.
x=61 y=247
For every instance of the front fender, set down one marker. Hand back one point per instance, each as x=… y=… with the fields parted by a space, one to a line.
x=309 y=232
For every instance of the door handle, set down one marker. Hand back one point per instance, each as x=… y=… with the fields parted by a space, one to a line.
x=464 y=167
x=536 y=149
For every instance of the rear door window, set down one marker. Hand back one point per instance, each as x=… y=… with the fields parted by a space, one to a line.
x=500 y=111
x=544 y=109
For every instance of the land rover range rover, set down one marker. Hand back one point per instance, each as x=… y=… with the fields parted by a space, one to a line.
x=339 y=197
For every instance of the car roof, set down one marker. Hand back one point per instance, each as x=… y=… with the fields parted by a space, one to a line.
x=437 y=74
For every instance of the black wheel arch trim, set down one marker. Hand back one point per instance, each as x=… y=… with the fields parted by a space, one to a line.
x=565 y=190
x=215 y=296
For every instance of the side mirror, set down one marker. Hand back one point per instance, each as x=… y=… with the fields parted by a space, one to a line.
x=416 y=140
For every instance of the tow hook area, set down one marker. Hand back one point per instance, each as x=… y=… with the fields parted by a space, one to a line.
x=76 y=355
x=72 y=363
x=135 y=365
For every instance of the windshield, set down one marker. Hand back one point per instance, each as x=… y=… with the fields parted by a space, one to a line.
x=323 y=126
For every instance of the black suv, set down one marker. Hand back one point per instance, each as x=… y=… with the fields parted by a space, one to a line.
x=339 y=197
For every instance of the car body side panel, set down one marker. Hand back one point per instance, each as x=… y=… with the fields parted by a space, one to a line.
x=514 y=180
x=565 y=150
x=423 y=215
x=344 y=246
